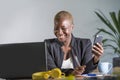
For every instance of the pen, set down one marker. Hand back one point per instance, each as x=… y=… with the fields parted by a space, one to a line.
x=77 y=61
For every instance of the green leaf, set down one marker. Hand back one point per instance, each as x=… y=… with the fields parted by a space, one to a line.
x=113 y=47
x=106 y=21
x=119 y=17
x=113 y=33
x=105 y=31
x=115 y=21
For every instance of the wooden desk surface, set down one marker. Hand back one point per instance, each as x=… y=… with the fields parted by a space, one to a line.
x=115 y=69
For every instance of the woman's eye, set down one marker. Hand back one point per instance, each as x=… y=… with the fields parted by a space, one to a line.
x=56 y=29
x=64 y=29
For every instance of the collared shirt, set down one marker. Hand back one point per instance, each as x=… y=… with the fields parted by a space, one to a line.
x=80 y=47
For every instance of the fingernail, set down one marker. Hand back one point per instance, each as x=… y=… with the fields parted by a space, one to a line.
x=94 y=46
x=98 y=43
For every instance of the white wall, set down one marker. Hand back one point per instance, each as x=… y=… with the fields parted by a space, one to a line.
x=32 y=20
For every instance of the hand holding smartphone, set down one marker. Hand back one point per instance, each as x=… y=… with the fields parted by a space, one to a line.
x=98 y=39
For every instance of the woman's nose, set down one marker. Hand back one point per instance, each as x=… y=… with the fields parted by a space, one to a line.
x=60 y=31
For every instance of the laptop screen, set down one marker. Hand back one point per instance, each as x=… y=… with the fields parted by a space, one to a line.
x=21 y=60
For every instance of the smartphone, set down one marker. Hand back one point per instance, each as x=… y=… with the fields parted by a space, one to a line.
x=98 y=39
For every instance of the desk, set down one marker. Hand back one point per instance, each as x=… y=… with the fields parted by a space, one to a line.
x=115 y=76
x=98 y=78
x=104 y=77
x=80 y=78
x=15 y=79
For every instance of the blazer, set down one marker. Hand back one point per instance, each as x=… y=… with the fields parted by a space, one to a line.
x=82 y=48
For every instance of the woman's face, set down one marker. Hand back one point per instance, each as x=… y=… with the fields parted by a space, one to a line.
x=63 y=30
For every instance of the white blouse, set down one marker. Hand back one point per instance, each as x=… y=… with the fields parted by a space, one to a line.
x=67 y=64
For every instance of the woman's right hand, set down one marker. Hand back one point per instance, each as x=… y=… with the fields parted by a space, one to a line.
x=79 y=70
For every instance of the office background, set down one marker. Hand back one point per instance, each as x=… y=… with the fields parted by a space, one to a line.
x=32 y=20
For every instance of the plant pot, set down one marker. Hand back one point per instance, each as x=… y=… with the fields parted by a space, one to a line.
x=116 y=62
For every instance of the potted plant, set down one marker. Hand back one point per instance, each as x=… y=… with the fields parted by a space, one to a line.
x=113 y=31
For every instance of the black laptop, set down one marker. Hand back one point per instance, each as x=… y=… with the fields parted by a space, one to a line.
x=21 y=60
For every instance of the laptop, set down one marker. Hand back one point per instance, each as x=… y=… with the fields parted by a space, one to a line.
x=21 y=60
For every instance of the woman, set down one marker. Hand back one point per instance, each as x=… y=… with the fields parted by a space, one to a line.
x=72 y=55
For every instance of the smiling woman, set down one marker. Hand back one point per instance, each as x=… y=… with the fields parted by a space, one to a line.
x=63 y=25
x=63 y=50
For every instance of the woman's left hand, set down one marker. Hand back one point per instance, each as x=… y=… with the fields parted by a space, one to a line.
x=97 y=51
x=79 y=70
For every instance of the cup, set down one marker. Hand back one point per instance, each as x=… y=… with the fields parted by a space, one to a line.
x=105 y=67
